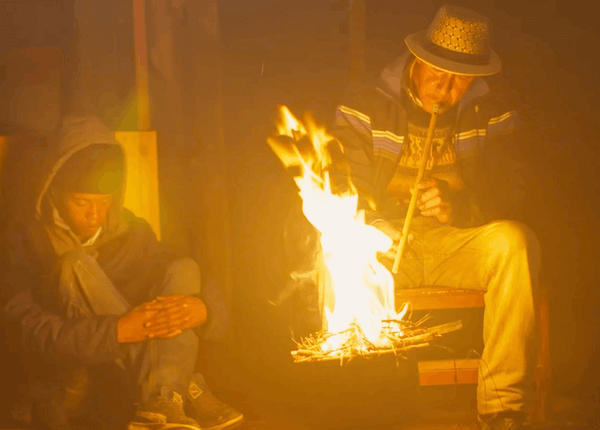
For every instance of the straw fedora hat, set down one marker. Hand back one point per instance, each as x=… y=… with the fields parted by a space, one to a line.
x=456 y=41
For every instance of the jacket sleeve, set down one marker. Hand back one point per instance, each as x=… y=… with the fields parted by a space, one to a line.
x=89 y=341
x=352 y=128
x=36 y=329
x=496 y=178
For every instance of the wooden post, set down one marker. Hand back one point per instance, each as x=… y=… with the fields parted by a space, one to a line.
x=219 y=181
x=356 y=38
x=207 y=159
x=141 y=65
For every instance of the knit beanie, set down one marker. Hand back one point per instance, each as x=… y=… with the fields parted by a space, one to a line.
x=96 y=169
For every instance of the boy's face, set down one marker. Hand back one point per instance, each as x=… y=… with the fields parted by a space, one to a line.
x=437 y=86
x=85 y=213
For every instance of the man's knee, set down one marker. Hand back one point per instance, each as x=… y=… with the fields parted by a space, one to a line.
x=512 y=236
x=183 y=277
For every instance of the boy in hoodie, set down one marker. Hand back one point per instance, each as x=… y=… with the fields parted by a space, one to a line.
x=86 y=283
x=473 y=185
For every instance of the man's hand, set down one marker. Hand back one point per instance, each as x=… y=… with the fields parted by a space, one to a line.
x=393 y=233
x=435 y=200
x=183 y=312
x=388 y=229
x=162 y=318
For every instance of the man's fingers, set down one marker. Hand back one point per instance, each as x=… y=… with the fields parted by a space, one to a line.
x=161 y=317
x=164 y=334
x=431 y=212
x=433 y=203
x=165 y=319
x=429 y=194
x=177 y=324
x=388 y=229
x=427 y=183
x=172 y=334
x=395 y=235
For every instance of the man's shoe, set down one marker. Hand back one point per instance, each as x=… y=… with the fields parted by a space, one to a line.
x=506 y=420
x=210 y=412
x=162 y=414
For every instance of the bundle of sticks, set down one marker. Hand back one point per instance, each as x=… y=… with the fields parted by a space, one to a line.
x=399 y=337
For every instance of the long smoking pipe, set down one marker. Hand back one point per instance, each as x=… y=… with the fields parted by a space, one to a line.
x=415 y=193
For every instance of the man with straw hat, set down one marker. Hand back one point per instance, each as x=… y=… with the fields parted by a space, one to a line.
x=462 y=233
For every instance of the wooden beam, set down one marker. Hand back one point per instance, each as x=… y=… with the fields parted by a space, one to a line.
x=356 y=38
x=440 y=298
x=141 y=65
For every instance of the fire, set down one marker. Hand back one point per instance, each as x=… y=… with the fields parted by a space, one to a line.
x=359 y=287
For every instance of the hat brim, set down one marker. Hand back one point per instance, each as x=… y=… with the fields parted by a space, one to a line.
x=416 y=46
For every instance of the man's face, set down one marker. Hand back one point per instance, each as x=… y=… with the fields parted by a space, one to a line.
x=436 y=86
x=86 y=213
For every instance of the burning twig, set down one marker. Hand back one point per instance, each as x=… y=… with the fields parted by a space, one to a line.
x=402 y=336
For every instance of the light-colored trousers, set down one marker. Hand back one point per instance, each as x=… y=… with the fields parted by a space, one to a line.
x=501 y=258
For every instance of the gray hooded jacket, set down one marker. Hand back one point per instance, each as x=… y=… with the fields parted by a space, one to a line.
x=127 y=250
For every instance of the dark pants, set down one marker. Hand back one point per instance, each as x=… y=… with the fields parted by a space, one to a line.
x=159 y=366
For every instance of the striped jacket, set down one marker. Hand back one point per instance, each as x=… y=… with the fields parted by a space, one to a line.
x=371 y=125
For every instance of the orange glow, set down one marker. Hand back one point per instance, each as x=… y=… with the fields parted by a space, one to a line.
x=360 y=287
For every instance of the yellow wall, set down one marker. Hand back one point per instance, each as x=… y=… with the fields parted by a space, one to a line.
x=141 y=195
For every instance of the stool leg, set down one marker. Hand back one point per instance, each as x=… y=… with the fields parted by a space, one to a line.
x=543 y=383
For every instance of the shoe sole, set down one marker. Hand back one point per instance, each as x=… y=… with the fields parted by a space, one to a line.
x=231 y=424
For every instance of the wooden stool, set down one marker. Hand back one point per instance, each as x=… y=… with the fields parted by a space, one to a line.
x=448 y=372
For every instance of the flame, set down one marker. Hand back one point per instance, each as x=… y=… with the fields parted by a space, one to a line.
x=360 y=288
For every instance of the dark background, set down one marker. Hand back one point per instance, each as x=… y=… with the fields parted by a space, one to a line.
x=295 y=53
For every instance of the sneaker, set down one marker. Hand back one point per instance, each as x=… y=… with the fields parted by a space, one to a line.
x=506 y=420
x=210 y=412
x=162 y=414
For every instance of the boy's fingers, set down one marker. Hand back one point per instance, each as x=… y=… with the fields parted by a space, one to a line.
x=173 y=334
x=164 y=334
x=166 y=318
x=168 y=326
x=167 y=322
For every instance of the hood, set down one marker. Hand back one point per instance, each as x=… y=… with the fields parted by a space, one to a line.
x=391 y=78
x=73 y=134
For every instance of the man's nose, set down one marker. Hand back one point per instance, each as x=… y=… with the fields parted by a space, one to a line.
x=93 y=212
x=445 y=85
